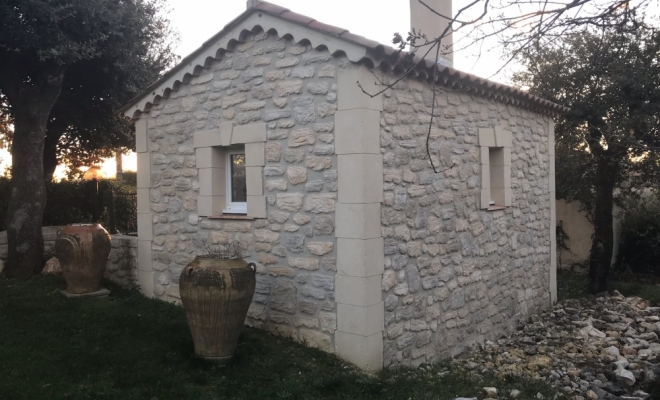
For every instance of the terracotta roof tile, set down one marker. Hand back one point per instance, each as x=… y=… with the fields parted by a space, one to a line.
x=320 y=26
x=379 y=54
x=298 y=18
x=271 y=8
x=460 y=77
x=357 y=39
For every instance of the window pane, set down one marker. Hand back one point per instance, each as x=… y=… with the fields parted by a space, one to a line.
x=238 y=182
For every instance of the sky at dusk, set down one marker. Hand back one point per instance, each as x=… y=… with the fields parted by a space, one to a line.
x=198 y=20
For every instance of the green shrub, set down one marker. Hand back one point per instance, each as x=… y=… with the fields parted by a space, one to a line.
x=639 y=251
x=79 y=201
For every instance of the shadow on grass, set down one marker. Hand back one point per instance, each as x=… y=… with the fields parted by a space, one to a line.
x=130 y=347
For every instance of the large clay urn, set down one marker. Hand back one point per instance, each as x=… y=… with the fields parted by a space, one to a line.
x=216 y=294
x=83 y=250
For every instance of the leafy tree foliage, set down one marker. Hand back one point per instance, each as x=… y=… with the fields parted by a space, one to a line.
x=65 y=65
x=83 y=127
x=610 y=78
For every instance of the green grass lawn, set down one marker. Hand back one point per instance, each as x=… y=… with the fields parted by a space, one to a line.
x=129 y=347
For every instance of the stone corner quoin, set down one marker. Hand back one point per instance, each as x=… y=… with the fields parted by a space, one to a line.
x=362 y=250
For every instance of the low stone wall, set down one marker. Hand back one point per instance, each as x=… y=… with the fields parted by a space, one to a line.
x=122 y=262
x=49 y=233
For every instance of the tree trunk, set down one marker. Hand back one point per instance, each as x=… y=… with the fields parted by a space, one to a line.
x=50 y=155
x=31 y=103
x=603 y=242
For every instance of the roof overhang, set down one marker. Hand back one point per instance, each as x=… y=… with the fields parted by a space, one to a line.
x=266 y=17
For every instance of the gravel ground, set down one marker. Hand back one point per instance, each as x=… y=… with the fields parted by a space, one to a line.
x=602 y=348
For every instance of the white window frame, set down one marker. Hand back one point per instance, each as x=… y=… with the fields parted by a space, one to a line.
x=233 y=207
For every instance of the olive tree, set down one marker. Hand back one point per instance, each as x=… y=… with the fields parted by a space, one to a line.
x=609 y=141
x=47 y=46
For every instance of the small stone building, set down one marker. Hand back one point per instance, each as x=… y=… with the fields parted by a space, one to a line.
x=263 y=136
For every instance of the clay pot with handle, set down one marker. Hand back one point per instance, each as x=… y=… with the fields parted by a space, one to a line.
x=216 y=294
x=83 y=251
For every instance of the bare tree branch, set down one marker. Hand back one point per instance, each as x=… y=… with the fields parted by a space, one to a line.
x=516 y=24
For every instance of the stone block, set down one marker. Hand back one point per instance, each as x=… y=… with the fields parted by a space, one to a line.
x=487 y=137
x=551 y=138
x=143 y=201
x=485 y=177
x=143 y=170
x=256 y=206
x=208 y=138
x=364 y=351
x=350 y=96
x=552 y=165
x=210 y=205
x=484 y=155
x=503 y=138
x=210 y=157
x=360 y=257
x=551 y=182
x=252 y=133
x=357 y=131
x=484 y=195
x=360 y=178
x=254 y=181
x=141 y=145
x=144 y=255
x=358 y=221
x=255 y=155
x=146 y=282
x=145 y=227
x=363 y=321
x=358 y=291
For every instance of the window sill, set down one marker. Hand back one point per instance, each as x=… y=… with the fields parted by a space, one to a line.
x=232 y=216
x=495 y=208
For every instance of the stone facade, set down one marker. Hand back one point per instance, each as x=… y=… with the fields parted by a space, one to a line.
x=292 y=89
x=361 y=248
x=456 y=275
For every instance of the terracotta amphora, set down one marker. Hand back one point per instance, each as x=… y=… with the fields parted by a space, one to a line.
x=216 y=294
x=83 y=250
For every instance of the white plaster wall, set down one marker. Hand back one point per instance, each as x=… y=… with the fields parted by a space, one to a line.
x=580 y=231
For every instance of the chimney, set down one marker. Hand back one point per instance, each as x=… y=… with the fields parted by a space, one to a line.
x=432 y=25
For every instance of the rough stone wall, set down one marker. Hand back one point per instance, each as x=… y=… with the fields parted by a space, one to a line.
x=456 y=275
x=293 y=89
x=49 y=233
x=122 y=261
